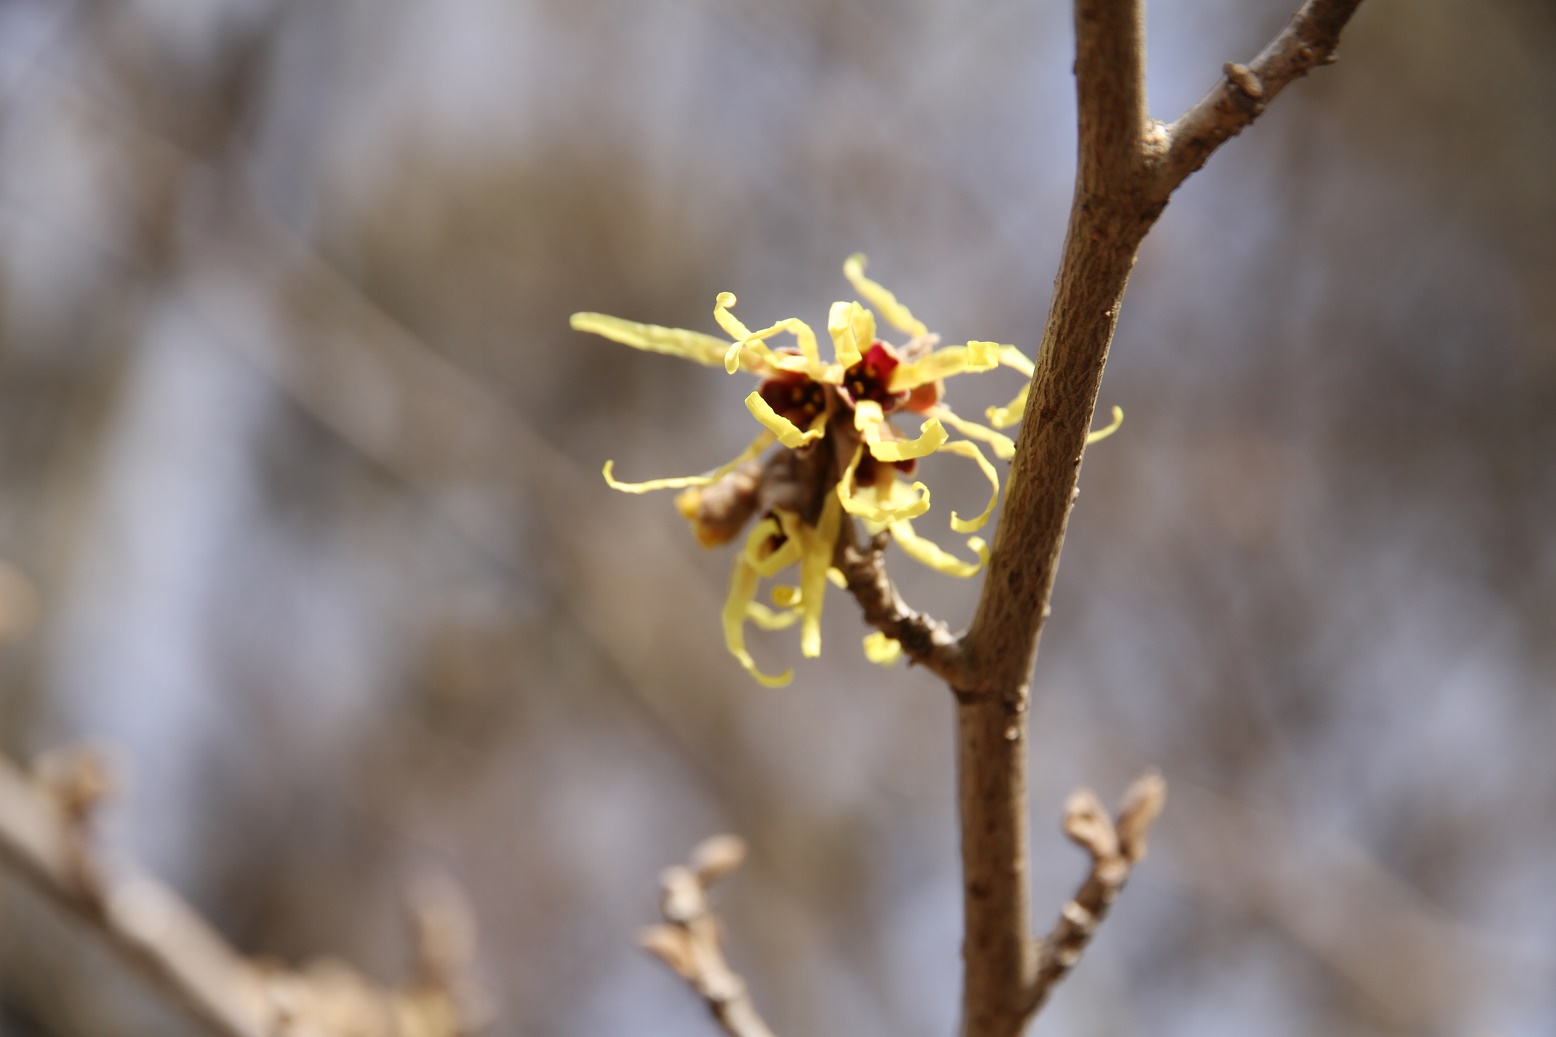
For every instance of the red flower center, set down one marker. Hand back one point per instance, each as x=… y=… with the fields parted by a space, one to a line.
x=795 y=396
x=870 y=377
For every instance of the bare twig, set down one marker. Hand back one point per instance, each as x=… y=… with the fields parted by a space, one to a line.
x=1309 y=40
x=46 y=837
x=924 y=639
x=689 y=940
x=1127 y=169
x=1115 y=847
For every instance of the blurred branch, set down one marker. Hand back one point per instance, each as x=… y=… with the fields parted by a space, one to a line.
x=1115 y=848
x=46 y=836
x=689 y=940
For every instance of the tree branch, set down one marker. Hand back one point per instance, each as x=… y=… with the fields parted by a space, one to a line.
x=1115 y=848
x=924 y=639
x=1110 y=91
x=46 y=838
x=689 y=940
x=1307 y=41
x=1126 y=171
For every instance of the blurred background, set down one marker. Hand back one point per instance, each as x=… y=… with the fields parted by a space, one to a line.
x=300 y=512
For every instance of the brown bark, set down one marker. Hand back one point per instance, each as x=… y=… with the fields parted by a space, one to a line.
x=1128 y=166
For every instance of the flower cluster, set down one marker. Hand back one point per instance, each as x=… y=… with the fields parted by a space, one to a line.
x=840 y=456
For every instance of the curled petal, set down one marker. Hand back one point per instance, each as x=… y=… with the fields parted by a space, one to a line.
x=837 y=579
x=971 y=451
x=786 y=596
x=932 y=435
x=869 y=419
x=804 y=337
x=788 y=433
x=732 y=325
x=929 y=553
x=881 y=514
x=775 y=561
x=1112 y=427
x=768 y=619
x=1003 y=446
x=1010 y=356
x=1010 y=414
x=943 y=363
x=760 y=443
x=867 y=415
x=689 y=345
x=748 y=350
x=880 y=649
x=878 y=296
x=742 y=594
x=852 y=328
x=814 y=564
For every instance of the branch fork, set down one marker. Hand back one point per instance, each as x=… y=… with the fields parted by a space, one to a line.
x=1127 y=169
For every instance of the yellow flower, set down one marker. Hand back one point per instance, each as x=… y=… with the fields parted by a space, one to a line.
x=839 y=457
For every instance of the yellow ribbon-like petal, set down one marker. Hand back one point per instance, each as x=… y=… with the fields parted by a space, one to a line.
x=837 y=579
x=1112 y=427
x=776 y=561
x=943 y=363
x=804 y=337
x=852 y=328
x=689 y=345
x=748 y=350
x=1003 y=446
x=742 y=593
x=971 y=451
x=814 y=564
x=896 y=314
x=932 y=435
x=869 y=419
x=853 y=502
x=732 y=325
x=786 y=596
x=767 y=619
x=788 y=433
x=929 y=553
x=760 y=443
x=882 y=650
x=1010 y=356
x=1010 y=414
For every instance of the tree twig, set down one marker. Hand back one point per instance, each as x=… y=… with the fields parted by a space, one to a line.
x=689 y=941
x=924 y=639
x=46 y=838
x=1115 y=847
x=1307 y=41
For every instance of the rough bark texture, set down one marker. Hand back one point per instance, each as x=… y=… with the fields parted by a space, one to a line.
x=1128 y=166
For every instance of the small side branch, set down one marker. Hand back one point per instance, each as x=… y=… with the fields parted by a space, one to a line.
x=1115 y=847
x=1308 y=40
x=689 y=941
x=924 y=639
x=46 y=837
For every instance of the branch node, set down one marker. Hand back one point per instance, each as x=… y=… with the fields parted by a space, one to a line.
x=1245 y=80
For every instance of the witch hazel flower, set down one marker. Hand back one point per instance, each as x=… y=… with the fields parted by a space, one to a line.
x=839 y=455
